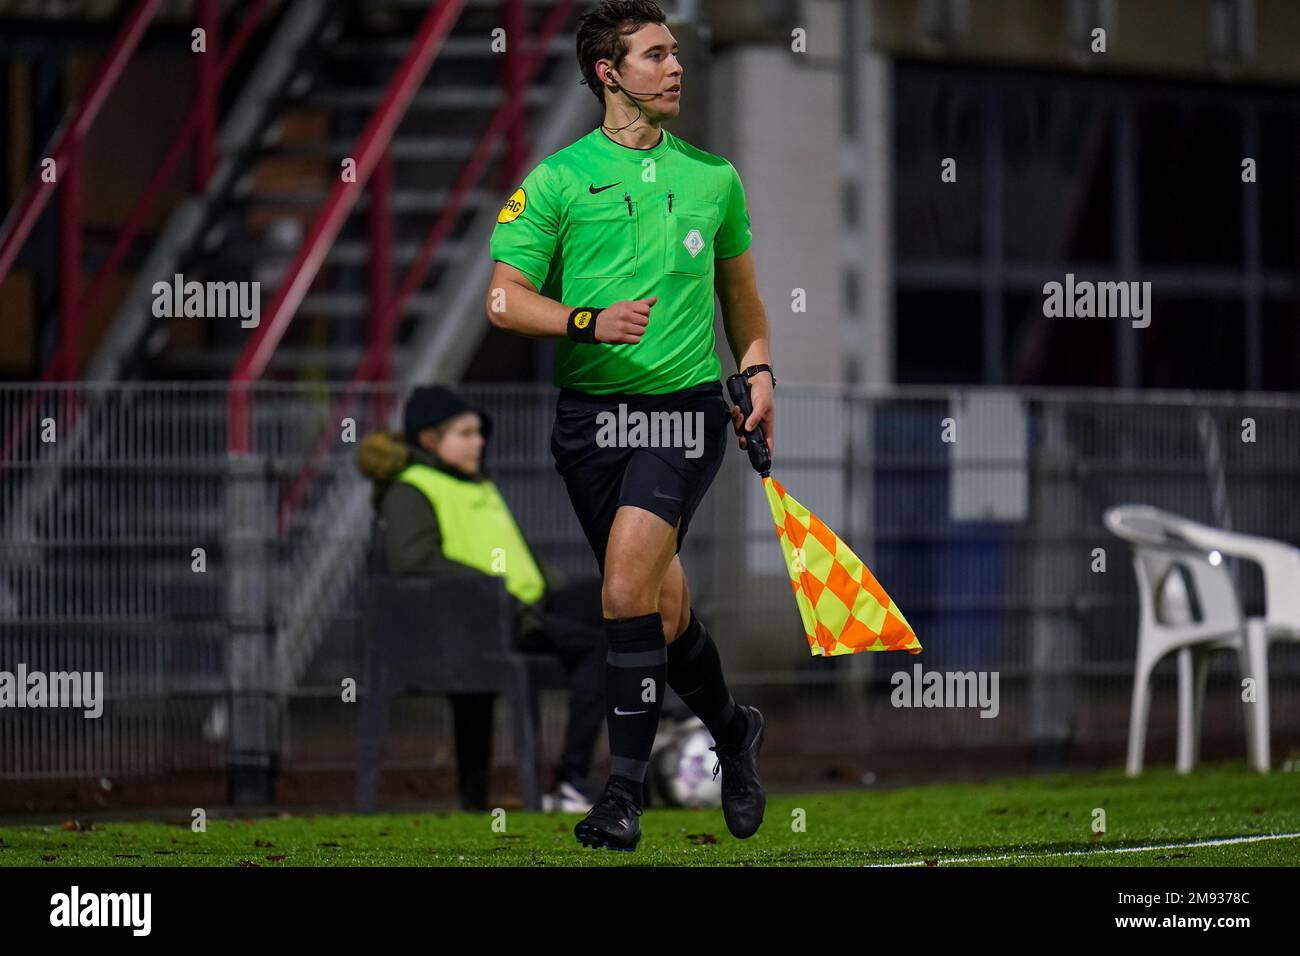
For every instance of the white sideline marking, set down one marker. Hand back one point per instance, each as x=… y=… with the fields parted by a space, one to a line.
x=1222 y=841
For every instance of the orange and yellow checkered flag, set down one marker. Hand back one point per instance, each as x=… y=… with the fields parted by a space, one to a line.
x=843 y=606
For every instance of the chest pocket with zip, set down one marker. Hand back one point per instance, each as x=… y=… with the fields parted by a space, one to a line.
x=602 y=240
x=688 y=235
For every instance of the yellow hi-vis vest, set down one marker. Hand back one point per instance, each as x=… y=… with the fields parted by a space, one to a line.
x=478 y=529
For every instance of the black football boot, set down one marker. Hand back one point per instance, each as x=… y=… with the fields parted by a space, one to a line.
x=614 y=822
x=743 y=799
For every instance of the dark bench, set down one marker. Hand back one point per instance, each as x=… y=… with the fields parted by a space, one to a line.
x=446 y=635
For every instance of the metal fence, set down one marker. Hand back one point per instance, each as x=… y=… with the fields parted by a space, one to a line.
x=219 y=595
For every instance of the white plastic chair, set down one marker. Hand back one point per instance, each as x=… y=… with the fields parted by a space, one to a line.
x=1280 y=564
x=1188 y=605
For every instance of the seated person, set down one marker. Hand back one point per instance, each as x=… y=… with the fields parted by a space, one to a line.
x=439 y=507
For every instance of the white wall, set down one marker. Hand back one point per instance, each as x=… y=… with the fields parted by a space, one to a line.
x=778 y=121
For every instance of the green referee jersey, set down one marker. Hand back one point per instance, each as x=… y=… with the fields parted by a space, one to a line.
x=598 y=222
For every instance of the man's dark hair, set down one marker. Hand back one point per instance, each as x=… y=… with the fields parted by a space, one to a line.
x=603 y=32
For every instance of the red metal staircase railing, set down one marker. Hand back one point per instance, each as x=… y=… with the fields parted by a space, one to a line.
x=370 y=147
x=198 y=133
x=376 y=365
x=66 y=149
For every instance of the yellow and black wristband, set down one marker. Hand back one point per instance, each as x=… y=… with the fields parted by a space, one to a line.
x=582 y=324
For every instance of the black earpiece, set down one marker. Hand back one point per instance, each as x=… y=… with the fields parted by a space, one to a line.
x=610 y=79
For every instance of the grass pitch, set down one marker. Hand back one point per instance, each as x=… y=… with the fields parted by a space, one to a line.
x=1159 y=819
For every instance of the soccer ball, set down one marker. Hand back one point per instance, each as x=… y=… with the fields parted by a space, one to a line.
x=683 y=767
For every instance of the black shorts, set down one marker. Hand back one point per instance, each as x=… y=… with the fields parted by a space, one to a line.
x=669 y=480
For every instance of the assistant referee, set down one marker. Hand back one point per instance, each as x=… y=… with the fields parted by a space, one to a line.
x=615 y=245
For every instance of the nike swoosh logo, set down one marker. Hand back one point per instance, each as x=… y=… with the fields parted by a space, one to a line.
x=657 y=494
x=593 y=189
x=627 y=713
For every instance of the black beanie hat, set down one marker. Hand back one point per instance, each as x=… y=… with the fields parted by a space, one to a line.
x=431 y=405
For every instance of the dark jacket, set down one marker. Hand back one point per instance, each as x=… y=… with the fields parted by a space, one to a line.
x=413 y=539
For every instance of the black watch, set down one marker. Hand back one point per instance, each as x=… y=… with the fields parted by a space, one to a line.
x=753 y=370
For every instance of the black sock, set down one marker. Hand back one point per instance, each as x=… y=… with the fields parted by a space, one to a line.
x=695 y=673
x=635 y=668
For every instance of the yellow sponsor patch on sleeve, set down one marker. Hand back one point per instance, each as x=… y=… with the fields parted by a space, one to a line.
x=514 y=206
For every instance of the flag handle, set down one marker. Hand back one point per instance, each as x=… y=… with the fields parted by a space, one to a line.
x=756 y=442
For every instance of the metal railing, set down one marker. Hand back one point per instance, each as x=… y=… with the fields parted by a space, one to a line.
x=370 y=148
x=64 y=150
x=979 y=511
x=198 y=134
x=508 y=121
x=324 y=563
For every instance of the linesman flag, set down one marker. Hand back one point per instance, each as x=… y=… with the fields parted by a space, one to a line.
x=843 y=607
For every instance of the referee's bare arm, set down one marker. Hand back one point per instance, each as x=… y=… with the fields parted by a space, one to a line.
x=745 y=320
x=514 y=305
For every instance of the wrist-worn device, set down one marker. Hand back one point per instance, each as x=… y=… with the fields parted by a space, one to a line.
x=753 y=370
x=582 y=324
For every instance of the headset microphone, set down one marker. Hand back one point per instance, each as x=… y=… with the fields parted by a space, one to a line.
x=624 y=88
